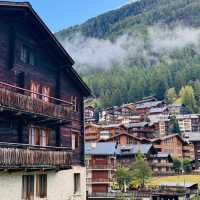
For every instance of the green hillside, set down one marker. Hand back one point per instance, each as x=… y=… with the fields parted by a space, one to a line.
x=154 y=45
x=136 y=15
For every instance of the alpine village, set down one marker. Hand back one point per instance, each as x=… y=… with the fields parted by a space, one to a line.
x=120 y=123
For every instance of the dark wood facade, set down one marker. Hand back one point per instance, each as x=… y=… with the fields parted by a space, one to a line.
x=38 y=88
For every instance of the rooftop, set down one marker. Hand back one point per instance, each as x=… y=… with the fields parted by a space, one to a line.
x=132 y=149
x=100 y=148
x=193 y=136
x=136 y=125
x=148 y=104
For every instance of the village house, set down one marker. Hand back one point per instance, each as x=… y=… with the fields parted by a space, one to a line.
x=101 y=165
x=92 y=132
x=144 y=106
x=161 y=163
x=160 y=124
x=141 y=130
x=176 y=109
x=117 y=114
x=125 y=138
x=174 y=145
x=194 y=138
x=126 y=154
x=188 y=123
x=159 y=111
x=89 y=114
x=41 y=111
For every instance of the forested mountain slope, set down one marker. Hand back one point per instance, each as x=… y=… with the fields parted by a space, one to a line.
x=140 y=49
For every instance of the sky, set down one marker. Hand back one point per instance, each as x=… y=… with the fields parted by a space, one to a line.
x=59 y=14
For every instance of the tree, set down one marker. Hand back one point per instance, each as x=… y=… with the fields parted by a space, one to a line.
x=197 y=90
x=188 y=98
x=141 y=171
x=187 y=165
x=170 y=95
x=123 y=177
x=174 y=126
x=177 y=166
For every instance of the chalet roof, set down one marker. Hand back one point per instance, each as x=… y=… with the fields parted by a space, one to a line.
x=132 y=149
x=146 y=99
x=50 y=38
x=148 y=104
x=110 y=126
x=166 y=137
x=92 y=124
x=188 y=116
x=100 y=148
x=157 y=110
x=158 y=118
x=193 y=136
x=129 y=135
x=136 y=125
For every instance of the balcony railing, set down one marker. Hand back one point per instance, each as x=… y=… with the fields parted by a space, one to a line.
x=102 y=167
x=159 y=164
x=99 y=180
x=18 y=156
x=19 y=99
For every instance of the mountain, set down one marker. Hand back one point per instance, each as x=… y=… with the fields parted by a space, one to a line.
x=136 y=15
x=141 y=49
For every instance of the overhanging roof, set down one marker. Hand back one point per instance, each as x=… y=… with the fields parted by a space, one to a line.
x=68 y=61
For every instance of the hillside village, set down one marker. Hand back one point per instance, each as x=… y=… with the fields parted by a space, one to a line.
x=64 y=134
x=162 y=132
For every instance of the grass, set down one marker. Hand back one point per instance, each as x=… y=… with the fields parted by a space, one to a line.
x=156 y=181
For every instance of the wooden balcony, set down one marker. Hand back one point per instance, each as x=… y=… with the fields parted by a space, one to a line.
x=26 y=157
x=41 y=107
x=102 y=167
x=161 y=164
x=99 y=180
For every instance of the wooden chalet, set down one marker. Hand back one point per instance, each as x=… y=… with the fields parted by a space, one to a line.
x=41 y=101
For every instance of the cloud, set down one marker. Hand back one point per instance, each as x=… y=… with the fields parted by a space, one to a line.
x=165 y=39
x=98 y=52
x=103 y=53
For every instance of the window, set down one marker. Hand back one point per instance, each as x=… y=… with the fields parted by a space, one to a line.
x=75 y=141
x=41 y=189
x=46 y=92
x=44 y=137
x=27 y=55
x=28 y=187
x=24 y=54
x=31 y=58
x=38 y=136
x=74 y=103
x=76 y=183
x=35 y=89
x=34 y=136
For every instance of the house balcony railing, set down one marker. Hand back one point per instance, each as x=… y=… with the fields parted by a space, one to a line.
x=21 y=156
x=99 y=180
x=160 y=164
x=20 y=100
x=102 y=167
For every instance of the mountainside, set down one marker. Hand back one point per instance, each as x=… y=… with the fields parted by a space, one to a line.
x=141 y=49
x=137 y=15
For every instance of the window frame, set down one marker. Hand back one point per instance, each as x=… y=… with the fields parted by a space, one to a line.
x=28 y=182
x=27 y=55
x=36 y=136
x=77 y=183
x=41 y=185
x=74 y=103
x=75 y=141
